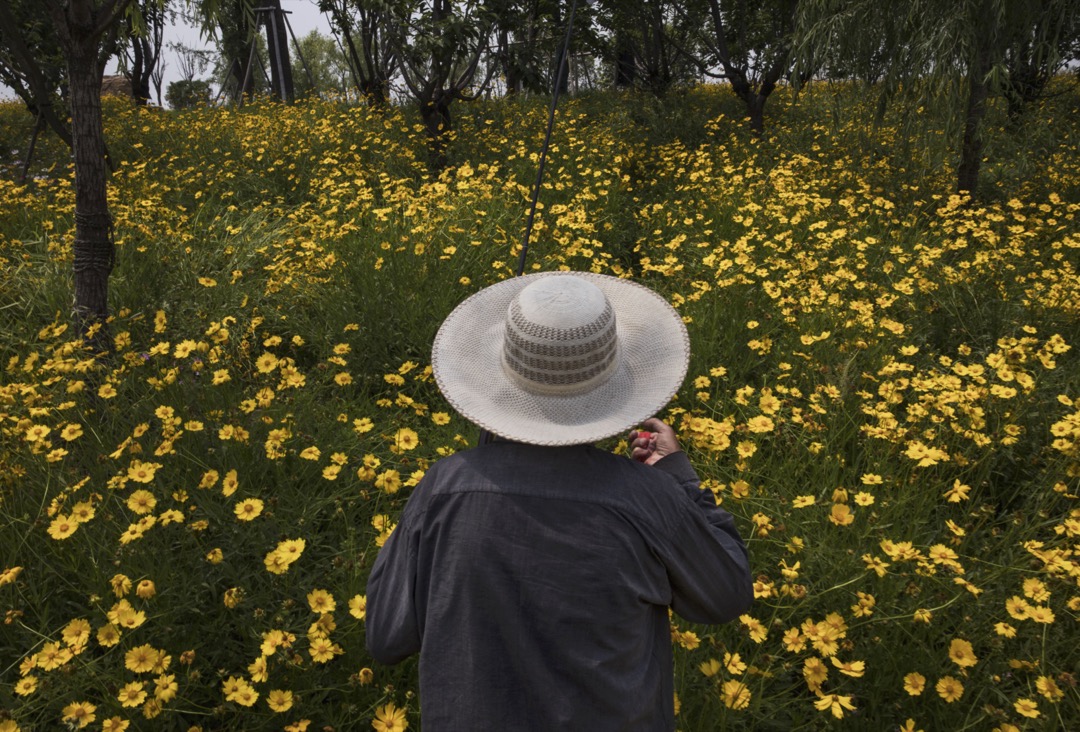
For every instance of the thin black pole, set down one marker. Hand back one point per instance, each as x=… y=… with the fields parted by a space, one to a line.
x=564 y=55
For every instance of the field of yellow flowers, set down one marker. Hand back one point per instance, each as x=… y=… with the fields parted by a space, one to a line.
x=884 y=391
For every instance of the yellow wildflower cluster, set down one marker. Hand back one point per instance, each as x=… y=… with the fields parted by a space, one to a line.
x=883 y=392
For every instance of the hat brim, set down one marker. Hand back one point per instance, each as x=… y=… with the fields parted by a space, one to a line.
x=654 y=356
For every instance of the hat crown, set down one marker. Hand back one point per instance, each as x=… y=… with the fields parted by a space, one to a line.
x=560 y=337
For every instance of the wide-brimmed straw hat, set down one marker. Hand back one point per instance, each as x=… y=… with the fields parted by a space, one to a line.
x=561 y=358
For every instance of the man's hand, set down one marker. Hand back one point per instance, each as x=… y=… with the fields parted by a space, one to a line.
x=650 y=446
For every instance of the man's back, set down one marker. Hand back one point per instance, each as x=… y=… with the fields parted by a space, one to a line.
x=535 y=583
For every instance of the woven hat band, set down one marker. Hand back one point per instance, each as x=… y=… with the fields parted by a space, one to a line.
x=560 y=337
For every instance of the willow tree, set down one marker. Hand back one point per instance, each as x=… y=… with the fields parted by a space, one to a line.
x=948 y=56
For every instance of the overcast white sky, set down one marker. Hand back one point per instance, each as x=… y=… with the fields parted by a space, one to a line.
x=304 y=16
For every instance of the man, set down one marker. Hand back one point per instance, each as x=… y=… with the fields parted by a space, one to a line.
x=534 y=573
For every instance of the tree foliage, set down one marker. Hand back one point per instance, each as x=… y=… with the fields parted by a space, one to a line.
x=653 y=44
x=949 y=56
x=753 y=45
x=323 y=66
x=32 y=63
x=363 y=30
x=438 y=48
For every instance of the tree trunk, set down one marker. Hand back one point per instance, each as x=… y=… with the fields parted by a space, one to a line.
x=755 y=107
x=94 y=252
x=625 y=62
x=438 y=124
x=39 y=127
x=972 y=147
x=141 y=69
x=510 y=66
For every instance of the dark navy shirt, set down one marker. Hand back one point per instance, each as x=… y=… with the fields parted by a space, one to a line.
x=535 y=583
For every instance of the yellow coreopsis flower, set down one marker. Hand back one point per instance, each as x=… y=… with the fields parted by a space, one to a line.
x=959 y=492
x=1027 y=708
x=132 y=694
x=1017 y=607
x=815 y=672
x=37 y=433
x=141 y=659
x=733 y=664
x=141 y=472
x=1035 y=589
x=280 y=700
x=165 y=688
x=710 y=667
x=841 y=514
x=83 y=511
x=949 y=689
x=735 y=694
x=229 y=484
x=1041 y=614
x=389 y=718
x=141 y=502
x=793 y=640
x=320 y=601
x=389 y=481
x=259 y=670
x=961 y=653
x=108 y=635
x=405 y=439
x=322 y=649
x=266 y=363
x=9 y=575
x=52 y=656
x=245 y=695
x=71 y=432
x=26 y=685
x=184 y=348
x=76 y=632
x=758 y=632
x=1046 y=686
x=79 y=714
x=248 y=509
x=358 y=607
x=854 y=669
x=760 y=424
x=914 y=683
x=62 y=527
x=835 y=703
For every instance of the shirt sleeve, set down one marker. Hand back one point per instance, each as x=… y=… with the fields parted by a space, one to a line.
x=392 y=630
x=706 y=559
